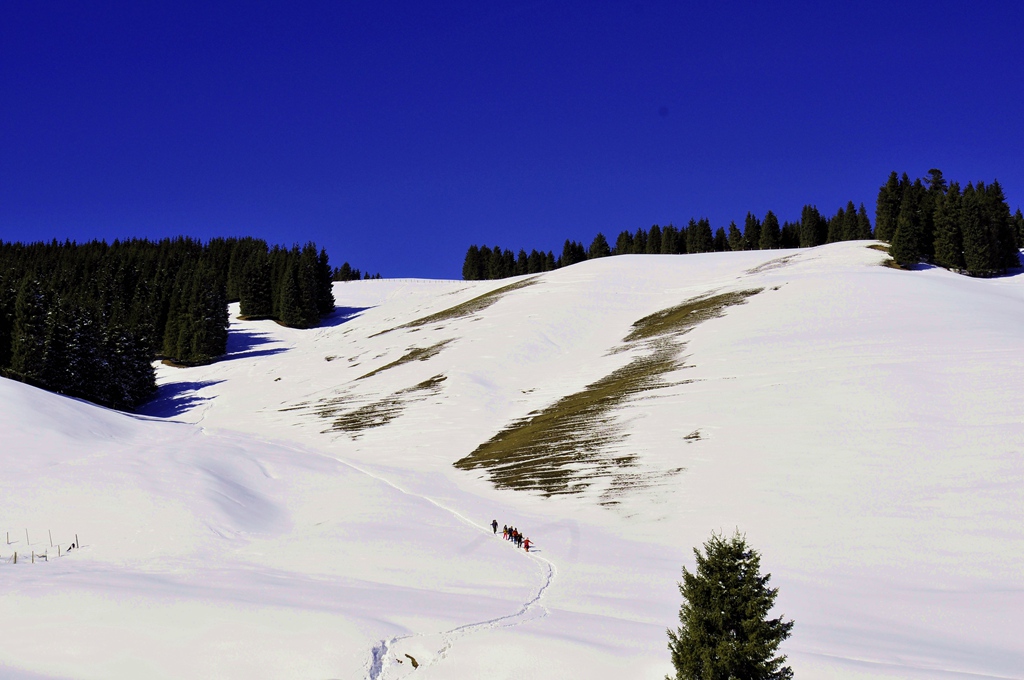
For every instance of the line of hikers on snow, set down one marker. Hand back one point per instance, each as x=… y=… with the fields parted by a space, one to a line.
x=512 y=534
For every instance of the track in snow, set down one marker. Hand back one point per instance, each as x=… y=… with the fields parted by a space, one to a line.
x=382 y=667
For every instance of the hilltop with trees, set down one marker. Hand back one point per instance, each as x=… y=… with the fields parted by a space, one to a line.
x=88 y=319
x=967 y=230
x=931 y=220
x=847 y=224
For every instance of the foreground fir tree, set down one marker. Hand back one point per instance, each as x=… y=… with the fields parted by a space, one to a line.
x=726 y=633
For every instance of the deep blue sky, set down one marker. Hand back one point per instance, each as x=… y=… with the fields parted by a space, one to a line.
x=396 y=134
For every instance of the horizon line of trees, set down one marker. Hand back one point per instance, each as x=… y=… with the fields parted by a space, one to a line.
x=347 y=273
x=87 y=320
x=970 y=231
x=849 y=223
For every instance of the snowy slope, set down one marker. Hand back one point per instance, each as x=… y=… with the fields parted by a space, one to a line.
x=294 y=510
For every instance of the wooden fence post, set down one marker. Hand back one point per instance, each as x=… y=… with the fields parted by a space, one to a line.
x=50 y=533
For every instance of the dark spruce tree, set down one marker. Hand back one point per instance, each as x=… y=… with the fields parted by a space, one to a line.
x=29 y=339
x=255 y=288
x=770 y=232
x=599 y=247
x=624 y=243
x=1000 y=224
x=851 y=227
x=752 y=232
x=810 y=227
x=978 y=259
x=908 y=241
x=726 y=632
x=863 y=224
x=887 y=209
x=700 y=238
x=789 y=235
x=654 y=240
x=735 y=237
x=949 y=241
x=721 y=242
x=669 y=240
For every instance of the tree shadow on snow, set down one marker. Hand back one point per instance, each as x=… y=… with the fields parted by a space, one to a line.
x=340 y=315
x=242 y=344
x=175 y=398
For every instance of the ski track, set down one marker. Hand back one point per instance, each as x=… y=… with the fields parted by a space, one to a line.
x=377 y=665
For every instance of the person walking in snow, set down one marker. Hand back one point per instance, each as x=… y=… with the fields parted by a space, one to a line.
x=494 y=525
x=504 y=532
x=526 y=544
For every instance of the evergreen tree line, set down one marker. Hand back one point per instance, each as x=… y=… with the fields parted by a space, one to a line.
x=347 y=273
x=88 y=319
x=969 y=230
x=849 y=223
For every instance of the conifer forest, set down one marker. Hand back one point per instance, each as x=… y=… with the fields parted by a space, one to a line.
x=970 y=231
x=88 y=319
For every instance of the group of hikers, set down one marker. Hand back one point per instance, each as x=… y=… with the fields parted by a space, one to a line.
x=512 y=534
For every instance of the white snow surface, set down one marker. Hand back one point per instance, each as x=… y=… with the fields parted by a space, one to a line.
x=861 y=425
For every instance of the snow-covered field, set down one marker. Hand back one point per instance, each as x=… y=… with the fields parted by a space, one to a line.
x=292 y=511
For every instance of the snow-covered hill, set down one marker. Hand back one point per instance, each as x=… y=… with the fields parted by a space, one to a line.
x=316 y=504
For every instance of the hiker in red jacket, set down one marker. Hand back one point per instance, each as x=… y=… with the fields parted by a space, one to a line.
x=526 y=545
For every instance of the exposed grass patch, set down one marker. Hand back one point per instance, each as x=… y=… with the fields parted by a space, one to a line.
x=683 y=318
x=772 y=264
x=879 y=247
x=414 y=354
x=377 y=413
x=562 y=448
x=467 y=308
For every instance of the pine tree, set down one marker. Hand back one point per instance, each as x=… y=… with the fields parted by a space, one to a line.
x=624 y=243
x=669 y=235
x=721 y=242
x=537 y=264
x=735 y=237
x=700 y=238
x=977 y=249
x=8 y=296
x=810 y=227
x=887 y=209
x=789 y=236
x=770 y=232
x=599 y=247
x=640 y=241
x=523 y=262
x=470 y=266
x=851 y=227
x=949 y=249
x=752 y=232
x=654 y=240
x=324 y=288
x=726 y=633
x=907 y=243
x=29 y=338
x=863 y=224
x=255 y=288
x=1002 y=237
x=835 y=227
